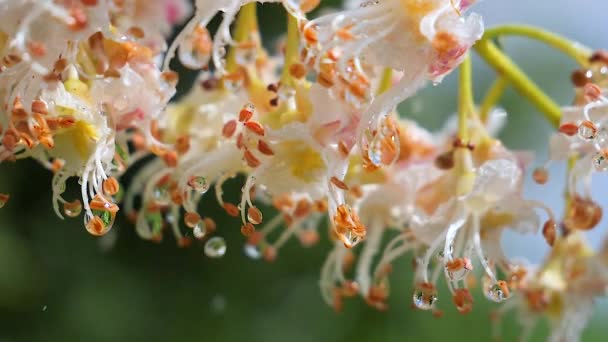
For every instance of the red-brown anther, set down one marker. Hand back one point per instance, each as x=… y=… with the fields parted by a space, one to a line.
x=4 y=198
x=550 y=232
x=170 y=77
x=10 y=139
x=320 y=205
x=599 y=56
x=344 y=150
x=358 y=89
x=339 y=184
x=245 y=114
x=326 y=79
x=247 y=229
x=210 y=225
x=568 y=128
x=274 y=102
x=356 y=191
x=39 y=107
x=255 y=238
x=348 y=226
x=132 y=217
x=110 y=186
x=593 y=92
x=170 y=158
x=459 y=264
x=273 y=87
x=254 y=215
x=463 y=300
x=79 y=19
x=344 y=34
x=100 y=203
x=89 y=2
x=309 y=5
x=297 y=70
x=177 y=197
x=255 y=127
x=540 y=175
x=537 y=300
x=36 y=49
x=136 y=32
x=302 y=209
x=283 y=202
x=377 y=296
x=579 y=78
x=288 y=220
x=229 y=128
x=184 y=242
x=182 y=144
x=96 y=226
x=309 y=237
x=250 y=159
x=57 y=165
x=66 y=121
x=239 y=141
x=310 y=34
x=191 y=219
x=350 y=288
x=231 y=209
x=582 y=214
x=437 y=313
x=338 y=302
x=264 y=148
x=445 y=161
x=269 y=253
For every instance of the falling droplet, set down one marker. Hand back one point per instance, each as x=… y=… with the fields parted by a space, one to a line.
x=72 y=209
x=199 y=231
x=199 y=183
x=252 y=251
x=215 y=247
x=195 y=51
x=495 y=291
x=425 y=296
x=350 y=239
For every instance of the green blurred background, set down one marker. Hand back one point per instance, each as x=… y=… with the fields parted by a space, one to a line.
x=57 y=283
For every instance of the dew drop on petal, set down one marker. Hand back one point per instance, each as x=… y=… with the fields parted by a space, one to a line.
x=215 y=247
x=425 y=296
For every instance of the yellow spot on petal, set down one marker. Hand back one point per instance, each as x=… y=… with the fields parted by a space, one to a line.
x=303 y=161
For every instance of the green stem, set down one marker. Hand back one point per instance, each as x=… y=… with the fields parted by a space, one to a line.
x=492 y=97
x=292 y=50
x=246 y=23
x=386 y=81
x=465 y=98
x=577 y=51
x=518 y=79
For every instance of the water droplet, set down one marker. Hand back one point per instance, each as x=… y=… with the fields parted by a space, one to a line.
x=199 y=231
x=587 y=130
x=350 y=239
x=254 y=215
x=602 y=135
x=252 y=251
x=600 y=162
x=195 y=51
x=495 y=291
x=215 y=247
x=458 y=268
x=161 y=195
x=425 y=296
x=72 y=209
x=199 y=183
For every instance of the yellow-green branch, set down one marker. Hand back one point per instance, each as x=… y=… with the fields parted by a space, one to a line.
x=518 y=79
x=492 y=97
x=577 y=51
x=292 y=49
x=246 y=23
x=465 y=98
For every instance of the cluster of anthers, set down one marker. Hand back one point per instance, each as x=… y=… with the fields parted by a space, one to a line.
x=86 y=85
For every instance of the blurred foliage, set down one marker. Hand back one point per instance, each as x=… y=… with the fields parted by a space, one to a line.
x=57 y=283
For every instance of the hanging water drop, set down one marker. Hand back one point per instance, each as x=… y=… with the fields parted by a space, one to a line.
x=215 y=247
x=72 y=209
x=496 y=291
x=252 y=251
x=587 y=130
x=425 y=296
x=195 y=51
